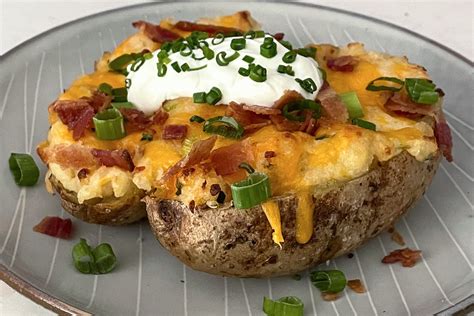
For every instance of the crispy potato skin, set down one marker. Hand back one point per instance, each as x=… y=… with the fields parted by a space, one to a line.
x=113 y=211
x=233 y=242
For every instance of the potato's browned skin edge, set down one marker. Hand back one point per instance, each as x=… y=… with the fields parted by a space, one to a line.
x=233 y=242
x=114 y=212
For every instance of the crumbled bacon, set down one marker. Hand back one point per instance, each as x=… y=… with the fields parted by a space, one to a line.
x=174 y=132
x=247 y=118
x=401 y=104
x=342 y=63
x=443 y=137
x=160 y=117
x=406 y=256
x=82 y=174
x=310 y=124
x=357 y=286
x=332 y=105
x=210 y=29
x=135 y=120
x=226 y=160
x=155 y=32
x=282 y=124
x=279 y=36
x=396 y=236
x=329 y=296
x=110 y=158
x=270 y=154
x=215 y=189
x=200 y=151
x=54 y=226
x=72 y=156
x=287 y=97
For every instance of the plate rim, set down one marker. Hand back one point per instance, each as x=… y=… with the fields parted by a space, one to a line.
x=60 y=307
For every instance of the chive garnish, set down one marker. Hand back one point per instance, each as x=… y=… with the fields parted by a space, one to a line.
x=248 y=59
x=289 y=57
x=237 y=43
x=307 y=84
x=161 y=69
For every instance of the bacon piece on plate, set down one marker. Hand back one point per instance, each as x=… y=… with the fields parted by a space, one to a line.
x=174 y=132
x=54 y=226
x=357 y=286
x=332 y=105
x=226 y=160
x=279 y=36
x=200 y=151
x=155 y=32
x=342 y=63
x=443 y=136
x=406 y=256
x=210 y=29
x=110 y=158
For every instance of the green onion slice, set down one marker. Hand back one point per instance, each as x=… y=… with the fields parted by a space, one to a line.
x=332 y=281
x=237 y=43
x=218 y=39
x=352 y=103
x=223 y=61
x=109 y=125
x=196 y=118
x=213 y=96
x=163 y=57
x=120 y=94
x=24 y=169
x=286 y=44
x=104 y=258
x=161 y=69
x=285 y=306
x=307 y=52
x=286 y=69
x=373 y=87
x=186 y=67
x=175 y=66
x=248 y=59
x=105 y=88
x=119 y=63
x=269 y=48
x=120 y=105
x=206 y=51
x=83 y=257
x=186 y=50
x=293 y=111
x=193 y=56
x=251 y=191
x=199 y=97
x=307 y=84
x=289 y=57
x=137 y=63
x=257 y=73
x=364 y=124
x=421 y=90
x=225 y=126
x=247 y=167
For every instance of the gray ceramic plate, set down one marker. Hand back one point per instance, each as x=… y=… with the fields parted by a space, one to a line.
x=149 y=280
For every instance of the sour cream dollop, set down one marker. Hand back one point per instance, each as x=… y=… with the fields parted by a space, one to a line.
x=148 y=91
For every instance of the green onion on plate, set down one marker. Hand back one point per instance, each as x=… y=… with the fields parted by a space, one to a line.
x=285 y=306
x=332 y=281
x=24 y=169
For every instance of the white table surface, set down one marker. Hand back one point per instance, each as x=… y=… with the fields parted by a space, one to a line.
x=448 y=21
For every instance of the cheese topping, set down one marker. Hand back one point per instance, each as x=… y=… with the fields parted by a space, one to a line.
x=148 y=91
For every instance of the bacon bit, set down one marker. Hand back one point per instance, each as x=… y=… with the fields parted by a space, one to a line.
x=279 y=36
x=395 y=236
x=261 y=109
x=82 y=174
x=215 y=189
x=400 y=103
x=282 y=124
x=99 y=101
x=333 y=108
x=155 y=32
x=210 y=29
x=357 y=286
x=192 y=205
x=135 y=120
x=226 y=160
x=270 y=154
x=443 y=137
x=188 y=171
x=310 y=125
x=329 y=296
x=54 y=226
x=248 y=119
x=139 y=169
x=203 y=185
x=174 y=132
x=287 y=97
x=200 y=151
x=119 y=157
x=342 y=63
x=160 y=117
x=406 y=256
x=73 y=156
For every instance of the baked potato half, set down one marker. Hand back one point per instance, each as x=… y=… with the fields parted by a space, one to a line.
x=236 y=242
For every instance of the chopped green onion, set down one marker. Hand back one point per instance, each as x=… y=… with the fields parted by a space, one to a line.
x=293 y=110
x=364 y=124
x=352 y=103
x=286 y=44
x=289 y=57
x=259 y=34
x=269 y=48
x=225 y=126
x=213 y=96
x=148 y=55
x=332 y=281
x=248 y=59
x=166 y=46
x=121 y=105
x=199 y=97
x=109 y=125
x=185 y=67
x=187 y=145
x=176 y=67
x=104 y=258
x=285 y=306
x=421 y=90
x=218 y=39
x=137 y=63
x=24 y=169
x=307 y=52
x=237 y=43
x=244 y=71
x=207 y=52
x=373 y=87
x=176 y=45
x=251 y=191
x=247 y=167
x=249 y=34
x=223 y=61
x=120 y=94
x=128 y=83
x=196 y=118
x=268 y=41
x=258 y=73
x=163 y=57
x=307 y=84
x=147 y=137
x=193 y=56
x=105 y=88
x=119 y=63
x=161 y=69
x=186 y=50
x=84 y=258
x=286 y=70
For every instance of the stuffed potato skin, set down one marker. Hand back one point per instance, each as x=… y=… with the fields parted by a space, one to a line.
x=233 y=242
x=110 y=211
